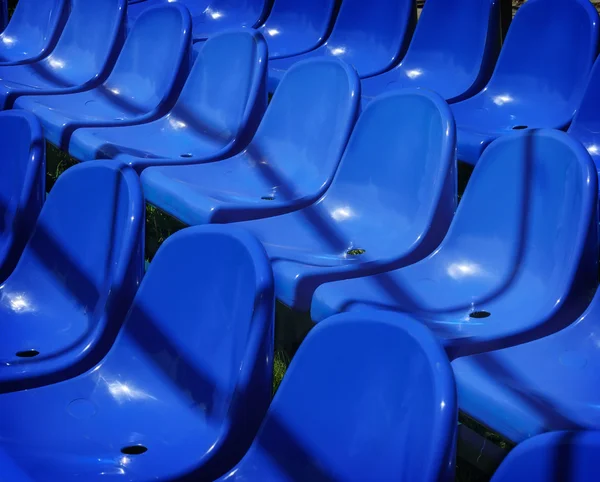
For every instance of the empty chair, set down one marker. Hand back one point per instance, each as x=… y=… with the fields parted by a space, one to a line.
x=33 y=31
x=370 y=39
x=360 y=401
x=22 y=183
x=181 y=393
x=544 y=385
x=553 y=457
x=83 y=56
x=144 y=84
x=389 y=204
x=67 y=297
x=294 y=27
x=455 y=66
x=537 y=86
x=215 y=116
x=288 y=164
x=521 y=250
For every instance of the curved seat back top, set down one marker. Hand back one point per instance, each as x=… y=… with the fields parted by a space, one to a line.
x=188 y=379
x=294 y=27
x=84 y=54
x=144 y=84
x=540 y=86
x=22 y=183
x=288 y=164
x=552 y=457
x=369 y=416
x=216 y=115
x=520 y=257
x=33 y=30
x=218 y=15
x=370 y=39
x=67 y=297
x=455 y=66
x=389 y=204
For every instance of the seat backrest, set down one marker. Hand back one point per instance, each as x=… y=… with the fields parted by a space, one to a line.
x=372 y=39
x=400 y=165
x=225 y=87
x=90 y=41
x=307 y=124
x=251 y=11
x=562 y=40
x=470 y=56
x=528 y=213
x=33 y=28
x=152 y=68
x=360 y=401
x=204 y=313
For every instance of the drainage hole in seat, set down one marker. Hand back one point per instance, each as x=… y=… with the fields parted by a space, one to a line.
x=187 y=155
x=519 y=128
x=479 y=314
x=27 y=353
x=355 y=252
x=268 y=198
x=134 y=450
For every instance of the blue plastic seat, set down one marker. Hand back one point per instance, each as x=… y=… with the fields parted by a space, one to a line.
x=295 y=27
x=521 y=250
x=540 y=86
x=140 y=88
x=215 y=116
x=83 y=56
x=66 y=299
x=360 y=401
x=382 y=210
x=188 y=379
x=288 y=164
x=455 y=66
x=33 y=31
x=553 y=457
x=372 y=40
x=22 y=183
x=544 y=385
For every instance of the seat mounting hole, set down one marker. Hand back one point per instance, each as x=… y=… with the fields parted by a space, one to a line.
x=355 y=252
x=27 y=353
x=268 y=198
x=134 y=450
x=479 y=314
x=187 y=155
x=519 y=128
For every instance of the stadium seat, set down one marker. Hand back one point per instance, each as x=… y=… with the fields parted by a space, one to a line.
x=389 y=204
x=521 y=250
x=22 y=184
x=84 y=54
x=368 y=396
x=216 y=115
x=183 y=390
x=372 y=40
x=288 y=164
x=544 y=385
x=539 y=86
x=33 y=31
x=297 y=26
x=140 y=88
x=66 y=299
x=454 y=66
x=553 y=457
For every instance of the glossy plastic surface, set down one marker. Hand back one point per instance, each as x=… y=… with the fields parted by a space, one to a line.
x=294 y=27
x=382 y=210
x=289 y=163
x=64 y=302
x=521 y=250
x=84 y=54
x=216 y=115
x=454 y=66
x=553 y=457
x=33 y=31
x=188 y=378
x=540 y=85
x=586 y=124
x=140 y=88
x=22 y=183
x=360 y=401
x=372 y=38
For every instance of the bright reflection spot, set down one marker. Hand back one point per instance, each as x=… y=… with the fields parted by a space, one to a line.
x=122 y=392
x=8 y=40
x=413 y=74
x=17 y=302
x=593 y=149
x=215 y=14
x=177 y=124
x=56 y=63
x=462 y=270
x=338 y=51
x=115 y=91
x=502 y=99
x=125 y=460
x=442 y=405
x=273 y=31
x=342 y=213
